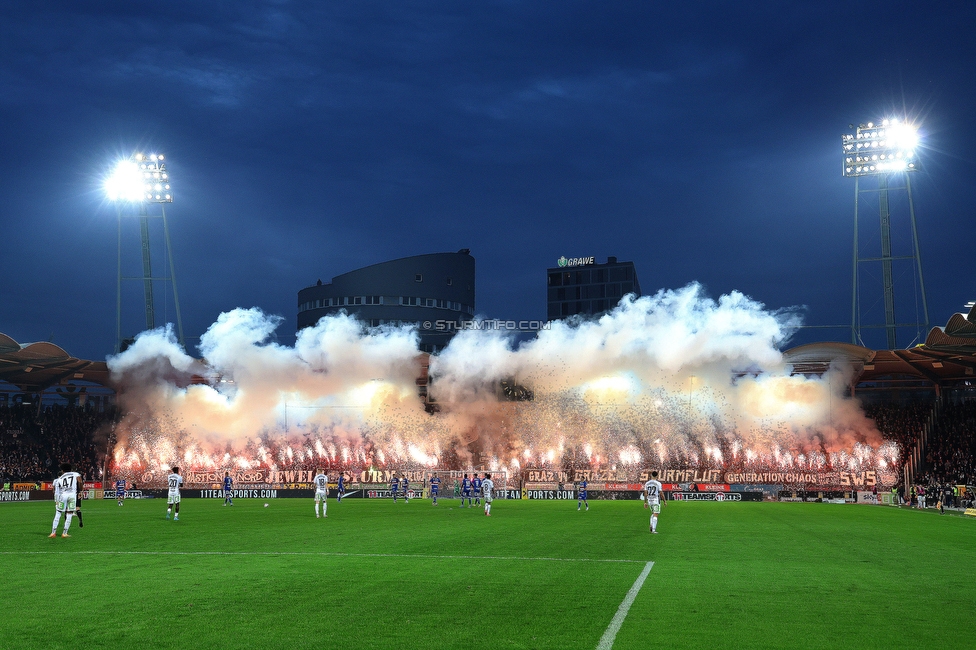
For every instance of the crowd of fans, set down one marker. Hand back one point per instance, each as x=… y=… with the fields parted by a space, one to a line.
x=901 y=422
x=950 y=450
x=34 y=442
x=950 y=455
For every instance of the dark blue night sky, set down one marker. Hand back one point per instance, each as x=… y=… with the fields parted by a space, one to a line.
x=305 y=139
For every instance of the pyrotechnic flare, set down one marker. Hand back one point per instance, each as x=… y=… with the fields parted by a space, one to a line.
x=674 y=378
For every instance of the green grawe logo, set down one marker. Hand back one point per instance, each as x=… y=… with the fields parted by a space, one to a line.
x=562 y=261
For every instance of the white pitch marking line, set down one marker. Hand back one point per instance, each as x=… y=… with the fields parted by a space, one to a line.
x=330 y=554
x=606 y=641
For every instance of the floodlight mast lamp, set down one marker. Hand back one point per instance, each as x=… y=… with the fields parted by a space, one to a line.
x=883 y=150
x=142 y=180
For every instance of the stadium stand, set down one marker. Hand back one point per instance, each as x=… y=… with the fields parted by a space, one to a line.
x=951 y=450
x=34 y=444
x=923 y=398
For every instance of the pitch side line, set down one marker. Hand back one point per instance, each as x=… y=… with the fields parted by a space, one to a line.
x=331 y=554
x=606 y=641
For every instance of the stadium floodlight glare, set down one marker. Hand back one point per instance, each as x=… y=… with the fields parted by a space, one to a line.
x=883 y=148
x=884 y=151
x=140 y=179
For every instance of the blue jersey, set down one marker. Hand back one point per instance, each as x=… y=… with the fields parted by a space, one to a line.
x=435 y=484
x=404 y=484
x=466 y=487
x=582 y=489
x=394 y=484
x=476 y=484
x=228 y=484
x=119 y=488
x=342 y=483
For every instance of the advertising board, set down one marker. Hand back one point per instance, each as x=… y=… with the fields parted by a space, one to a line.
x=867 y=498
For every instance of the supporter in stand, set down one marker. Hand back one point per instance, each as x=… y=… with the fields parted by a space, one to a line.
x=31 y=441
x=951 y=450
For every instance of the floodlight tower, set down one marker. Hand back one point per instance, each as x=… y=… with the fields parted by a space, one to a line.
x=141 y=181
x=886 y=151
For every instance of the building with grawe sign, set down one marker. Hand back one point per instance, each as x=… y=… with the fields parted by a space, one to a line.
x=578 y=285
x=434 y=291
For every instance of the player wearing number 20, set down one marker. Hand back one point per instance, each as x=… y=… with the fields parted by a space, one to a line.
x=65 y=498
x=173 y=481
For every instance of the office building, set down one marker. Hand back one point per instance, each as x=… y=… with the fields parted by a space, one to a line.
x=434 y=292
x=579 y=285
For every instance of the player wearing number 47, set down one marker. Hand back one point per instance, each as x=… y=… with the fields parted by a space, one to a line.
x=652 y=495
x=65 y=499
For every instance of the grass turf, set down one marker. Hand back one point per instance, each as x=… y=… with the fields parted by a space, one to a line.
x=537 y=574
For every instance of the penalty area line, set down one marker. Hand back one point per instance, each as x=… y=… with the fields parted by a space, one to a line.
x=606 y=641
x=332 y=554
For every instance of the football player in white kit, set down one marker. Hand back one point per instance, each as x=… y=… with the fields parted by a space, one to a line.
x=65 y=498
x=487 y=486
x=653 y=495
x=321 y=483
x=173 y=482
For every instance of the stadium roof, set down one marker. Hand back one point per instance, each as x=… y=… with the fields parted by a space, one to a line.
x=33 y=367
x=947 y=356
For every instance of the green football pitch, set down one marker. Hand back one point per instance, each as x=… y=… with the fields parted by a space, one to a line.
x=536 y=574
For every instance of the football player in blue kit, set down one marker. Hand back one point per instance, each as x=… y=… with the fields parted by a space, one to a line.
x=394 y=487
x=404 y=487
x=228 y=489
x=581 y=497
x=120 y=490
x=465 y=490
x=435 y=486
x=476 y=488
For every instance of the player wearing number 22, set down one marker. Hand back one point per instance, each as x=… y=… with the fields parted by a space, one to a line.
x=653 y=495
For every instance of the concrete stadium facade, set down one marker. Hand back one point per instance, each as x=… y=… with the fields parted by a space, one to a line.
x=436 y=292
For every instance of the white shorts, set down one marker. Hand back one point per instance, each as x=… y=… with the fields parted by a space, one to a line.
x=66 y=503
x=321 y=495
x=488 y=497
x=172 y=498
x=655 y=508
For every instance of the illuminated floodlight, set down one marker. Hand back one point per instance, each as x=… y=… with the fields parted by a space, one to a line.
x=883 y=148
x=140 y=179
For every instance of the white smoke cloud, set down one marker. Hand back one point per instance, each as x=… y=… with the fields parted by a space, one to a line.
x=675 y=373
